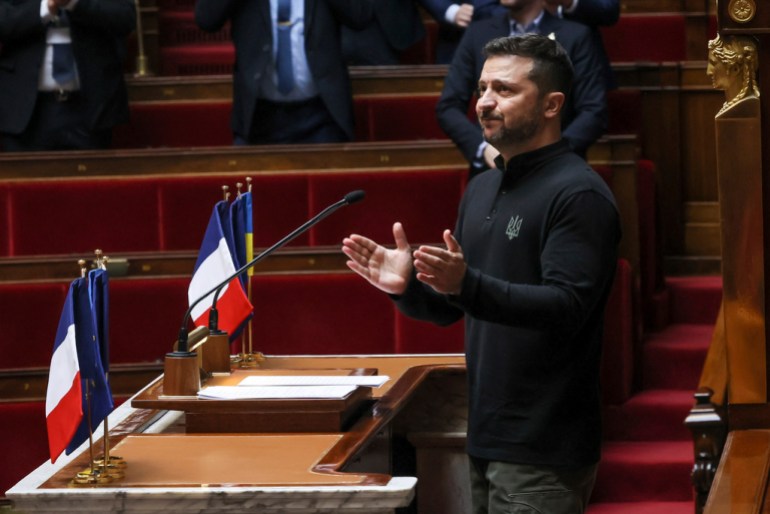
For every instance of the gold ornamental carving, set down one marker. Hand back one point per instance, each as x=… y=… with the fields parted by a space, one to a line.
x=742 y=11
x=732 y=66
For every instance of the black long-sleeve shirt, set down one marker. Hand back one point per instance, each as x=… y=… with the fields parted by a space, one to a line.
x=540 y=240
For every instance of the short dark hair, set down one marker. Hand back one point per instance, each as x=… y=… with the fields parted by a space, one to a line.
x=551 y=70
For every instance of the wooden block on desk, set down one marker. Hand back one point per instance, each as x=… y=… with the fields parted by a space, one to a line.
x=278 y=415
x=260 y=415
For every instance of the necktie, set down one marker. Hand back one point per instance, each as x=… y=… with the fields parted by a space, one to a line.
x=63 y=58
x=283 y=60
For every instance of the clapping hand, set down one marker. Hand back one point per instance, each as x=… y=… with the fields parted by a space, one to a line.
x=386 y=269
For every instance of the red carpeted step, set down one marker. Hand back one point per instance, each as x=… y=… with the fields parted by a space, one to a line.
x=694 y=299
x=673 y=357
x=650 y=415
x=686 y=507
x=644 y=471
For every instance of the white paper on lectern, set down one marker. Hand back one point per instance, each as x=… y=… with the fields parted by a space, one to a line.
x=314 y=380
x=259 y=392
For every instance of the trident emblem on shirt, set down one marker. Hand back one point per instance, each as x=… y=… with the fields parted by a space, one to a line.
x=513 y=227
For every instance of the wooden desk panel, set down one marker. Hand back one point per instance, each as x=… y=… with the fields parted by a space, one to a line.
x=230 y=460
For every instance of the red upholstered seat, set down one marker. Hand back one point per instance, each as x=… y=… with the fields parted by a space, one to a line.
x=330 y=313
x=605 y=172
x=28 y=322
x=145 y=317
x=176 y=124
x=617 y=373
x=397 y=118
x=23 y=441
x=76 y=216
x=650 y=248
x=5 y=216
x=414 y=336
x=646 y=37
x=424 y=201
x=207 y=123
x=279 y=204
x=71 y=216
x=651 y=280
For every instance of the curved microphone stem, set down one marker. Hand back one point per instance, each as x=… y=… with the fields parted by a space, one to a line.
x=352 y=197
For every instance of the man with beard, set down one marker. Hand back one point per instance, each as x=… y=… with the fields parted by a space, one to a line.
x=529 y=267
x=584 y=117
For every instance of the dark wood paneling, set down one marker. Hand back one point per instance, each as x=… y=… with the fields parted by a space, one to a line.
x=698 y=109
x=29 y=385
x=351 y=157
x=133 y=265
x=661 y=144
x=252 y=159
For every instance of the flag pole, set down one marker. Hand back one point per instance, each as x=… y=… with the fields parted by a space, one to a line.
x=251 y=360
x=112 y=466
x=93 y=475
x=243 y=356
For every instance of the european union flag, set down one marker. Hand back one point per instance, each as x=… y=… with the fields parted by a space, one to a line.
x=94 y=384
x=243 y=231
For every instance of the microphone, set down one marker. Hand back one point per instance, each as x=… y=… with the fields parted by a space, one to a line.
x=348 y=199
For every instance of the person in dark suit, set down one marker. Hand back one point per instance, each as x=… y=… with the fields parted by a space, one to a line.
x=307 y=99
x=593 y=13
x=396 y=27
x=585 y=114
x=453 y=17
x=589 y=12
x=61 y=72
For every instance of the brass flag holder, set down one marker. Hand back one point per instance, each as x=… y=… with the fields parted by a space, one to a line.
x=109 y=467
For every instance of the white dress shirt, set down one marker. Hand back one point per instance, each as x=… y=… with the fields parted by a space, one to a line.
x=304 y=87
x=54 y=35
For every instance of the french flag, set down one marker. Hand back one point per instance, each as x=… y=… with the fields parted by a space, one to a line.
x=215 y=263
x=63 y=401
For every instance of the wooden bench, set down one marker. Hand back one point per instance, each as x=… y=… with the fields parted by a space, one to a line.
x=167 y=213
x=652 y=30
x=265 y=159
x=390 y=104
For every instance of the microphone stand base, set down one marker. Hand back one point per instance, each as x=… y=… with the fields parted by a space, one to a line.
x=250 y=360
x=180 y=374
